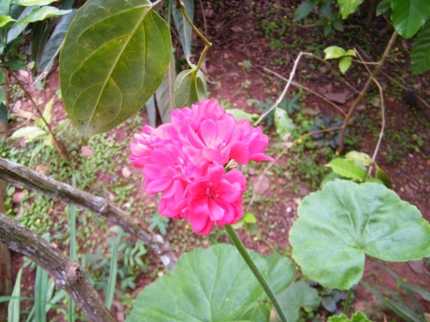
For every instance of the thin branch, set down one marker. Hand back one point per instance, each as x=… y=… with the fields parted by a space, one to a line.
x=364 y=90
x=58 y=144
x=33 y=180
x=307 y=89
x=287 y=86
x=381 y=133
x=66 y=273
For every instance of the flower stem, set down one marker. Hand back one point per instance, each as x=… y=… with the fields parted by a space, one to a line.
x=348 y=302
x=245 y=255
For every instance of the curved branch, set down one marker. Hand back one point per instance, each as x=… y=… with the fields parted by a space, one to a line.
x=33 y=180
x=66 y=273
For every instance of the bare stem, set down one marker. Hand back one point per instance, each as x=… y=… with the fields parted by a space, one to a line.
x=30 y=179
x=67 y=274
x=306 y=89
x=364 y=91
x=59 y=146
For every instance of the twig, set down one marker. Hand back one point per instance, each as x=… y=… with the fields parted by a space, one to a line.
x=66 y=273
x=30 y=179
x=279 y=100
x=381 y=133
x=21 y=126
x=364 y=90
x=307 y=89
x=205 y=25
x=59 y=146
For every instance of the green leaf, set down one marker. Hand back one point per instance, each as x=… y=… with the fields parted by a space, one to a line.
x=30 y=133
x=344 y=64
x=15 y=65
x=296 y=296
x=40 y=294
x=347 y=168
x=356 y=317
x=420 y=54
x=345 y=221
x=383 y=7
x=190 y=87
x=27 y=3
x=360 y=157
x=112 y=62
x=40 y=14
x=304 y=9
x=14 y=305
x=346 y=7
x=14 y=32
x=165 y=93
x=110 y=290
x=3 y=111
x=47 y=112
x=2 y=77
x=256 y=313
x=182 y=26
x=55 y=42
x=350 y=52
x=211 y=284
x=249 y=218
x=151 y=111
x=381 y=175
x=408 y=16
x=330 y=177
x=240 y=114
x=5 y=19
x=333 y=52
x=5 y=7
x=284 y=125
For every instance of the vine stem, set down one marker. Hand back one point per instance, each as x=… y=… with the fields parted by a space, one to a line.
x=181 y=6
x=59 y=146
x=348 y=302
x=248 y=260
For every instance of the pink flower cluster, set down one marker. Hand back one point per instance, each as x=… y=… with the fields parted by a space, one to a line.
x=186 y=161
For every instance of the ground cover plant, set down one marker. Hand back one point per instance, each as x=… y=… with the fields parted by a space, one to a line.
x=198 y=165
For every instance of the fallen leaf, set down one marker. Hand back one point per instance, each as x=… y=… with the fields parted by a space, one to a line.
x=125 y=172
x=337 y=97
x=18 y=196
x=261 y=184
x=86 y=151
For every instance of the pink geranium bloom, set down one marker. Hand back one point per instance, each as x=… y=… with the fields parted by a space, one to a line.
x=185 y=161
x=216 y=197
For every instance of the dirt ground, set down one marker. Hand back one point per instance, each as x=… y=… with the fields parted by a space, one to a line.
x=237 y=71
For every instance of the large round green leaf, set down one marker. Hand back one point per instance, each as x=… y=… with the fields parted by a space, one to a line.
x=115 y=56
x=212 y=284
x=408 y=16
x=340 y=224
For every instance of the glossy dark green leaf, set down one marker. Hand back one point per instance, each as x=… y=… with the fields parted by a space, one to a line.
x=39 y=38
x=344 y=221
x=346 y=7
x=53 y=46
x=356 y=317
x=296 y=296
x=408 y=16
x=190 y=87
x=420 y=54
x=182 y=26
x=15 y=31
x=39 y=14
x=3 y=111
x=304 y=9
x=165 y=92
x=383 y=7
x=347 y=169
x=211 y=284
x=115 y=56
x=15 y=65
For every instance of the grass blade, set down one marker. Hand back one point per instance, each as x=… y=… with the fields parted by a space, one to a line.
x=14 y=307
x=112 y=275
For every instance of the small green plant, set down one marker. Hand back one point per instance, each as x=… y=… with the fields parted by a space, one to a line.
x=159 y=222
x=287 y=105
